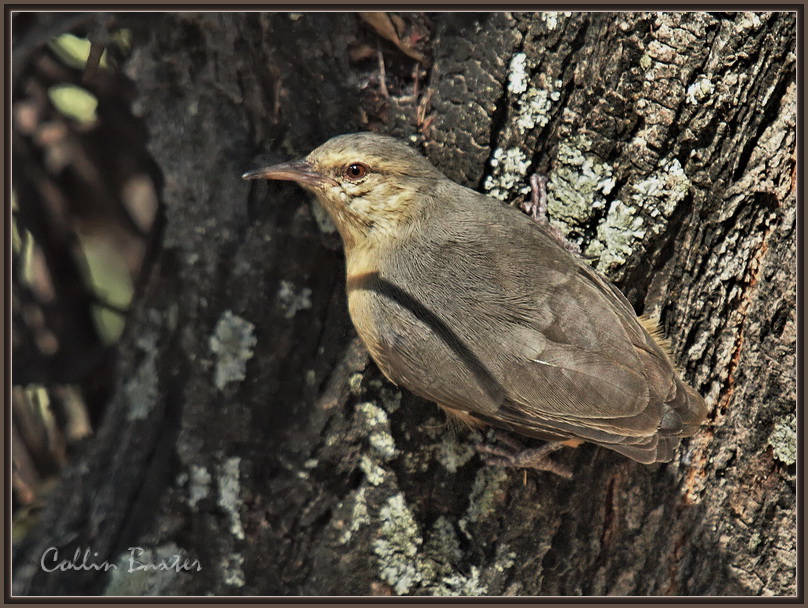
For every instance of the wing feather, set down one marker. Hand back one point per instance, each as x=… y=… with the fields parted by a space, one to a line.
x=535 y=340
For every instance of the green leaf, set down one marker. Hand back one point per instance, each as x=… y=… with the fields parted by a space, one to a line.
x=74 y=102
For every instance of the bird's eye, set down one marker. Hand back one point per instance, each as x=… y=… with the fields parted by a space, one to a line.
x=355 y=171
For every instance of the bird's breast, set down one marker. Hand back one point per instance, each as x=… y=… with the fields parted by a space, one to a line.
x=369 y=320
x=363 y=282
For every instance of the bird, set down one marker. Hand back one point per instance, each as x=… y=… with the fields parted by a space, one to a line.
x=472 y=304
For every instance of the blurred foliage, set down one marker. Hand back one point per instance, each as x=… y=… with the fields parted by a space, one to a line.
x=74 y=102
x=74 y=51
x=110 y=280
x=123 y=39
x=24 y=248
x=83 y=205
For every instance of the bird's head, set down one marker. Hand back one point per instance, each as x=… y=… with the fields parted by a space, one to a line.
x=371 y=185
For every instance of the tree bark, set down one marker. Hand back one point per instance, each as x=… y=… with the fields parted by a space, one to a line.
x=669 y=142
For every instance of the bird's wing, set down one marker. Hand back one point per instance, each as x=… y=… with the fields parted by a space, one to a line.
x=418 y=346
x=592 y=364
x=559 y=344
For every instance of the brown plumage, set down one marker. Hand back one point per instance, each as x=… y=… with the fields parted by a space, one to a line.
x=469 y=303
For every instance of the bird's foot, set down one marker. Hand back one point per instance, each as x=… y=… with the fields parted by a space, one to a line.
x=514 y=455
x=536 y=208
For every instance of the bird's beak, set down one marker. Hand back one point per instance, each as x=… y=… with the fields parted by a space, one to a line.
x=299 y=171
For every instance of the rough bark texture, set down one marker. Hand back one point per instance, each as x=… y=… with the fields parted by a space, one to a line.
x=669 y=142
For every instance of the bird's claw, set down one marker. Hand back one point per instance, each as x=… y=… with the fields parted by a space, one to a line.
x=536 y=207
x=514 y=455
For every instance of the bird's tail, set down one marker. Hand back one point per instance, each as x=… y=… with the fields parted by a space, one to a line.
x=693 y=411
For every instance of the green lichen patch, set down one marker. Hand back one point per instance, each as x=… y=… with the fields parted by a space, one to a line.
x=374 y=422
x=372 y=416
x=617 y=236
x=534 y=108
x=355 y=384
x=509 y=170
x=397 y=547
x=383 y=444
x=505 y=558
x=229 y=487
x=140 y=390
x=486 y=494
x=660 y=192
x=579 y=185
x=462 y=584
x=533 y=99
x=551 y=18
x=517 y=74
x=783 y=440
x=198 y=485
x=231 y=567
x=433 y=566
x=291 y=301
x=442 y=545
x=453 y=454
x=374 y=473
x=232 y=342
x=700 y=90
x=646 y=211
x=359 y=516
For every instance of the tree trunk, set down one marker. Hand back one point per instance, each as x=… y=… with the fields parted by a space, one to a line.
x=249 y=429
